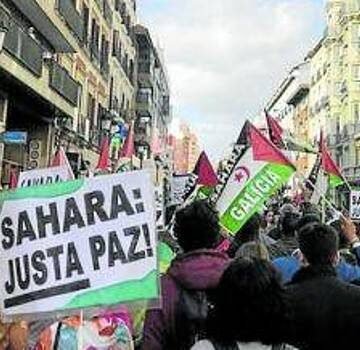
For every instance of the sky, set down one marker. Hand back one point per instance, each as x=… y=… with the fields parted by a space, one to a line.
x=225 y=58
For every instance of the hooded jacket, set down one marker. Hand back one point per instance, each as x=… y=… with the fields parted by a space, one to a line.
x=199 y=270
x=325 y=311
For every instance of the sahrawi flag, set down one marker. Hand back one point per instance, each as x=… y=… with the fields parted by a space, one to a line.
x=329 y=166
x=261 y=171
x=283 y=139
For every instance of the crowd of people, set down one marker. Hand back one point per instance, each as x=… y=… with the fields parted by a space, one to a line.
x=289 y=279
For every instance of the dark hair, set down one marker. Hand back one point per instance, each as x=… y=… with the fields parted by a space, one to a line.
x=318 y=243
x=248 y=233
x=343 y=242
x=308 y=219
x=197 y=226
x=288 y=224
x=249 y=299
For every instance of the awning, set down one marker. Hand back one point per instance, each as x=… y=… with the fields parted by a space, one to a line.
x=38 y=17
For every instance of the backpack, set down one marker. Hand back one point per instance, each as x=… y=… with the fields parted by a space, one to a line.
x=191 y=316
x=191 y=319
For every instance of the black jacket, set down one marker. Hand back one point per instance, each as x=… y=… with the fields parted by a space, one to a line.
x=325 y=311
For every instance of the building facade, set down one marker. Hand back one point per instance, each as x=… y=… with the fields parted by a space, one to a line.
x=153 y=113
x=67 y=68
x=342 y=42
x=186 y=150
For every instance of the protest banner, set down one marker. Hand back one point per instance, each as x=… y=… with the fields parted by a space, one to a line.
x=261 y=171
x=160 y=207
x=355 y=205
x=45 y=176
x=178 y=188
x=78 y=244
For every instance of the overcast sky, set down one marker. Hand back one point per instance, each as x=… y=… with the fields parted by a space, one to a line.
x=226 y=57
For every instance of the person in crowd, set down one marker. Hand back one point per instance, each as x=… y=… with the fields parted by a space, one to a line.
x=252 y=250
x=289 y=265
x=287 y=242
x=250 y=232
x=325 y=311
x=179 y=321
x=248 y=300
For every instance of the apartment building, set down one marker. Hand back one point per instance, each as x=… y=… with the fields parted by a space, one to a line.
x=67 y=74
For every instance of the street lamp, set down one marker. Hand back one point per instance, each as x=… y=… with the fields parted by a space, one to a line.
x=4 y=26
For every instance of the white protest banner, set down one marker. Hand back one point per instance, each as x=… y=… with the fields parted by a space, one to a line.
x=355 y=205
x=78 y=244
x=178 y=188
x=45 y=176
x=160 y=208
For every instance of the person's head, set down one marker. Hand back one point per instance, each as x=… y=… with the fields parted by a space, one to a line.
x=248 y=233
x=319 y=244
x=336 y=225
x=269 y=217
x=288 y=224
x=248 y=299
x=307 y=219
x=253 y=250
x=197 y=226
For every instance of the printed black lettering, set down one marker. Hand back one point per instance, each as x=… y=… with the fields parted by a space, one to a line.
x=54 y=254
x=116 y=251
x=97 y=248
x=51 y=219
x=120 y=203
x=37 y=262
x=25 y=229
x=72 y=215
x=94 y=202
x=133 y=255
x=73 y=261
x=23 y=280
x=10 y=285
x=8 y=233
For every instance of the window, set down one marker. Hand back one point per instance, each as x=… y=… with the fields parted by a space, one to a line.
x=355 y=33
x=3 y=108
x=357 y=154
x=86 y=20
x=338 y=87
x=91 y=108
x=356 y=72
x=356 y=112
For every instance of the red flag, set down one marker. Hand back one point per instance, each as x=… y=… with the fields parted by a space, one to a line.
x=156 y=146
x=13 y=178
x=60 y=159
x=128 y=149
x=328 y=164
x=263 y=149
x=205 y=172
x=275 y=131
x=104 y=160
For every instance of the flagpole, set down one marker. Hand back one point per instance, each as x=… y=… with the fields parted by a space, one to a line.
x=325 y=200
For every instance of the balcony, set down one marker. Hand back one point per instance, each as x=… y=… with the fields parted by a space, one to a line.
x=144 y=104
x=107 y=12
x=24 y=48
x=94 y=52
x=64 y=84
x=73 y=19
x=145 y=73
x=105 y=69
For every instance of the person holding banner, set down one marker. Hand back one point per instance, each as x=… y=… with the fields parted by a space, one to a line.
x=177 y=325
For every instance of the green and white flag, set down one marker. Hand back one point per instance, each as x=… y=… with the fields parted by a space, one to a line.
x=261 y=171
x=78 y=244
